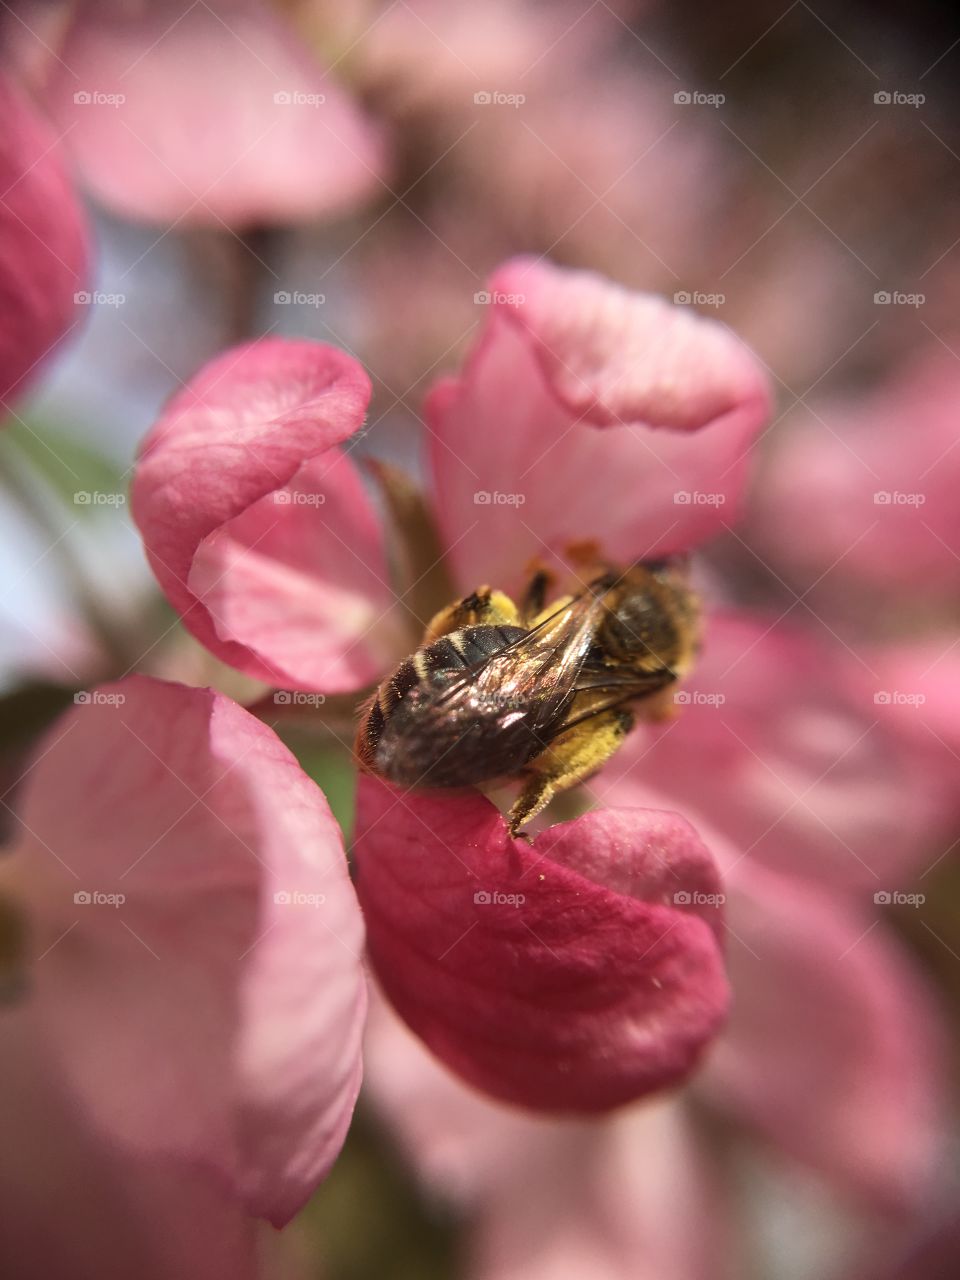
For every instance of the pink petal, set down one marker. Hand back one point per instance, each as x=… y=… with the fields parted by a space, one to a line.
x=780 y=747
x=885 y=470
x=526 y=973
x=209 y=113
x=202 y=1017
x=43 y=243
x=833 y=1047
x=257 y=526
x=519 y=466
x=71 y=1204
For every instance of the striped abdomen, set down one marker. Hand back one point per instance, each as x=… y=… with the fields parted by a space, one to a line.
x=452 y=715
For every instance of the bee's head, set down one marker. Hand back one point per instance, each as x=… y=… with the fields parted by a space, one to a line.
x=651 y=615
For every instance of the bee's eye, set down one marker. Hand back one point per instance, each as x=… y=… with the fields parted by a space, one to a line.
x=639 y=629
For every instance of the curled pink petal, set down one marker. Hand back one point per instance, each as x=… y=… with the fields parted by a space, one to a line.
x=257 y=526
x=208 y=113
x=43 y=243
x=833 y=1048
x=573 y=973
x=197 y=938
x=520 y=468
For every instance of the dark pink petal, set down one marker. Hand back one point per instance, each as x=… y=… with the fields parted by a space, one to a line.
x=43 y=243
x=833 y=1047
x=208 y=113
x=214 y=1012
x=781 y=747
x=257 y=525
x=573 y=973
x=520 y=468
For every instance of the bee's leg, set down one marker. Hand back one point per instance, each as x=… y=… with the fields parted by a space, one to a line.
x=535 y=596
x=571 y=758
x=481 y=608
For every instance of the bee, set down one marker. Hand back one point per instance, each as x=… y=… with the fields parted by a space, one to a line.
x=544 y=694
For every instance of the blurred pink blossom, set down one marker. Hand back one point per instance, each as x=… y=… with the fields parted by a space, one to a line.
x=208 y=114
x=43 y=243
x=194 y=996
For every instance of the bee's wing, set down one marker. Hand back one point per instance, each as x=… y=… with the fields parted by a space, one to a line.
x=545 y=664
x=612 y=688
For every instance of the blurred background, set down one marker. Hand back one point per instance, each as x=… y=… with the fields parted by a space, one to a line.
x=791 y=171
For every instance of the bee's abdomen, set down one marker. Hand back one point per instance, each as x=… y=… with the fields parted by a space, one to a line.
x=405 y=734
x=453 y=654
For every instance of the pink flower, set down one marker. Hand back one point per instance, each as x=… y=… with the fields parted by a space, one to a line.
x=43 y=244
x=884 y=466
x=194 y=993
x=819 y=811
x=578 y=398
x=208 y=113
